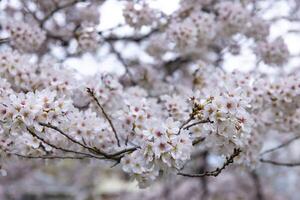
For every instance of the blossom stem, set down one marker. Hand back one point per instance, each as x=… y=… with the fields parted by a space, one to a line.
x=105 y=115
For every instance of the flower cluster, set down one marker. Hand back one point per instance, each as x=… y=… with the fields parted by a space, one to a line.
x=84 y=15
x=183 y=35
x=229 y=121
x=280 y=102
x=138 y=15
x=25 y=75
x=25 y=118
x=205 y=26
x=48 y=6
x=88 y=40
x=163 y=147
x=273 y=53
x=232 y=16
x=258 y=29
x=25 y=37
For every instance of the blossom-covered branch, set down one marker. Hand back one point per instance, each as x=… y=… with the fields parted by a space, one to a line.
x=182 y=99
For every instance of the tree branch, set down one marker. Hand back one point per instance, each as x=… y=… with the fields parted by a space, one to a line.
x=92 y=94
x=217 y=171
x=93 y=150
x=196 y=123
x=272 y=162
x=4 y=40
x=280 y=146
x=50 y=157
x=59 y=148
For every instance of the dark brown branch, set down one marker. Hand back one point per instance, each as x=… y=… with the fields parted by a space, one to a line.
x=51 y=157
x=196 y=123
x=4 y=40
x=92 y=94
x=281 y=146
x=59 y=148
x=93 y=150
x=183 y=124
x=198 y=140
x=173 y=65
x=283 y=164
x=217 y=171
x=123 y=151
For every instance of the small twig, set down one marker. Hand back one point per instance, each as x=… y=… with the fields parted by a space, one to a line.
x=50 y=157
x=183 y=124
x=196 y=123
x=198 y=140
x=105 y=114
x=272 y=162
x=217 y=171
x=173 y=65
x=123 y=151
x=4 y=40
x=280 y=146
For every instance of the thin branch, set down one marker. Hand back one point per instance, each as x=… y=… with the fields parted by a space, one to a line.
x=59 y=148
x=217 y=171
x=93 y=150
x=184 y=123
x=105 y=114
x=272 y=162
x=198 y=140
x=280 y=146
x=288 y=18
x=50 y=157
x=196 y=123
x=97 y=151
x=123 y=151
x=4 y=40
x=173 y=65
